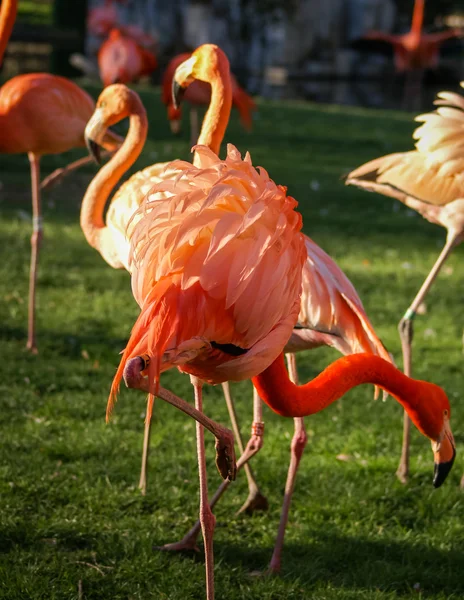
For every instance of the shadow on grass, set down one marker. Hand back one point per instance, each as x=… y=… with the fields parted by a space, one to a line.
x=66 y=344
x=341 y=561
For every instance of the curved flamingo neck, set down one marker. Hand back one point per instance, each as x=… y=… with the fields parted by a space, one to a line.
x=418 y=18
x=218 y=113
x=290 y=400
x=8 y=10
x=97 y=194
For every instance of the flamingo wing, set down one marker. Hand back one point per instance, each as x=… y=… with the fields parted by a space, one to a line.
x=331 y=311
x=434 y=172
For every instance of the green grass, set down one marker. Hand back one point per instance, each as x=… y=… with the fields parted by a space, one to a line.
x=68 y=482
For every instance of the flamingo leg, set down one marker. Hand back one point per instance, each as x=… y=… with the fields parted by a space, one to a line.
x=36 y=240
x=406 y=331
x=256 y=500
x=255 y=443
x=145 y=451
x=207 y=519
x=194 y=129
x=298 y=445
x=225 y=454
x=58 y=174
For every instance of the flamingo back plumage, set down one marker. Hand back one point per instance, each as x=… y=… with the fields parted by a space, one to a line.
x=46 y=114
x=217 y=263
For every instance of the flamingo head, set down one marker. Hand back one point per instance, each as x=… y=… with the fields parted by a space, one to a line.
x=432 y=417
x=204 y=64
x=115 y=103
x=444 y=449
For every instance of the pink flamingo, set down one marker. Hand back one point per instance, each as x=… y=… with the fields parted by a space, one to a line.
x=41 y=114
x=122 y=60
x=428 y=180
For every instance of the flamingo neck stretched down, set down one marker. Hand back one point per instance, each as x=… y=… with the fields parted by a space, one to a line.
x=217 y=116
x=99 y=189
x=8 y=10
x=288 y=399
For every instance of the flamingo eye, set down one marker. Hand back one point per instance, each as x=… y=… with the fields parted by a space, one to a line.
x=102 y=104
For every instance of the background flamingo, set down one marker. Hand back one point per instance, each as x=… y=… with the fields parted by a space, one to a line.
x=199 y=94
x=40 y=114
x=429 y=180
x=122 y=60
x=413 y=51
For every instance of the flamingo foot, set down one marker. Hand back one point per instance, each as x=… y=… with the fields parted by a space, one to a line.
x=255 y=501
x=403 y=473
x=271 y=571
x=187 y=544
x=225 y=457
x=32 y=347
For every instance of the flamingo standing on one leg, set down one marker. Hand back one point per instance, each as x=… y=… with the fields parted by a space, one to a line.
x=331 y=314
x=41 y=114
x=430 y=180
x=197 y=94
x=217 y=264
x=112 y=239
x=122 y=60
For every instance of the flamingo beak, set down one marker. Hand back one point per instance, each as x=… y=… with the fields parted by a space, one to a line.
x=93 y=135
x=177 y=93
x=94 y=150
x=444 y=454
x=183 y=77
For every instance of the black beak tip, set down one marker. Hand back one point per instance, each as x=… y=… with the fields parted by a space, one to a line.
x=94 y=150
x=177 y=93
x=441 y=471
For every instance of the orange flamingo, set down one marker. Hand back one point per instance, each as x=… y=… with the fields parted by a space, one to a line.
x=199 y=93
x=428 y=180
x=203 y=247
x=122 y=60
x=40 y=114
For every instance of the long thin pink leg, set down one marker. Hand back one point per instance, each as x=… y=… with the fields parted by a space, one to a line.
x=225 y=454
x=256 y=500
x=145 y=452
x=406 y=331
x=36 y=240
x=255 y=443
x=207 y=518
x=297 y=447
